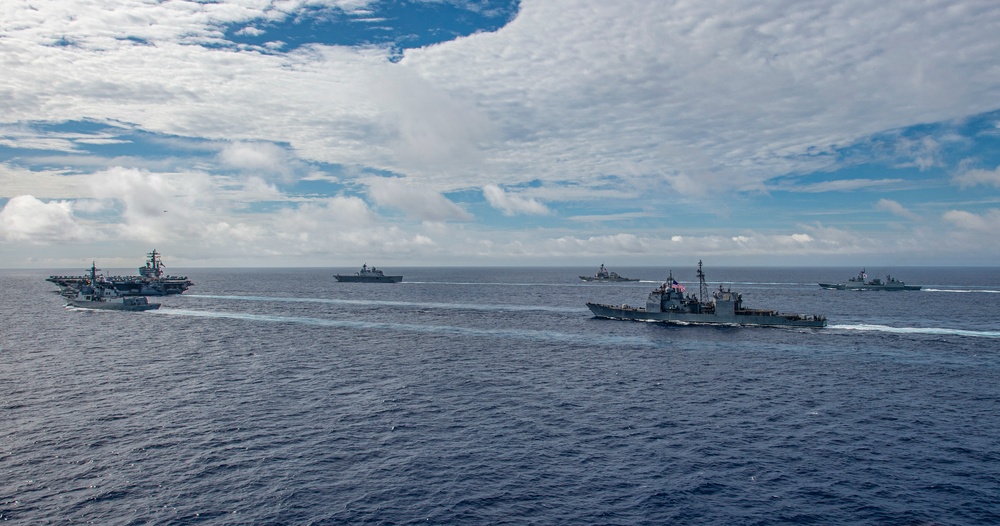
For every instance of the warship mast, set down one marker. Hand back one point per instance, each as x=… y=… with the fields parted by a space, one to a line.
x=702 y=287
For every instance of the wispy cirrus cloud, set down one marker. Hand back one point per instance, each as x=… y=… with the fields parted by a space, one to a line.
x=512 y=204
x=846 y=185
x=987 y=222
x=895 y=208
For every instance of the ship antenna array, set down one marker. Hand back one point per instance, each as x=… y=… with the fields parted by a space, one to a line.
x=702 y=287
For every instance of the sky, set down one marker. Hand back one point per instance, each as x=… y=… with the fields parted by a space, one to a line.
x=318 y=133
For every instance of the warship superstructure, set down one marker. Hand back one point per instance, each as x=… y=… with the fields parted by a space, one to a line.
x=151 y=281
x=861 y=282
x=99 y=294
x=368 y=275
x=604 y=275
x=669 y=304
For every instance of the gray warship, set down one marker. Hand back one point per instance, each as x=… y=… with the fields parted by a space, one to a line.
x=101 y=295
x=861 y=282
x=368 y=275
x=668 y=304
x=604 y=275
x=151 y=280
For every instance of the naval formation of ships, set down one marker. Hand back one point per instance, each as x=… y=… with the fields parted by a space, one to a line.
x=94 y=291
x=668 y=303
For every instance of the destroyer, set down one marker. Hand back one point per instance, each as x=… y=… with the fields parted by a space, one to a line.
x=151 y=281
x=101 y=295
x=668 y=304
x=861 y=282
x=368 y=275
x=604 y=275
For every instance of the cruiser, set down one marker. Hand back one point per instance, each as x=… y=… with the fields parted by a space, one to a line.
x=151 y=281
x=604 y=275
x=668 y=304
x=861 y=282
x=101 y=295
x=368 y=275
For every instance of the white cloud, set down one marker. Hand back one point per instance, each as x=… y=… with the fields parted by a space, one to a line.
x=975 y=177
x=570 y=90
x=343 y=228
x=923 y=153
x=163 y=207
x=511 y=204
x=597 y=245
x=590 y=101
x=49 y=184
x=721 y=94
x=257 y=158
x=895 y=208
x=251 y=31
x=26 y=219
x=417 y=202
x=846 y=185
x=987 y=223
x=660 y=247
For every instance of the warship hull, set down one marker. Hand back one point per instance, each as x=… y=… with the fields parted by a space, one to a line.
x=123 y=304
x=604 y=275
x=861 y=282
x=669 y=304
x=128 y=286
x=860 y=286
x=756 y=318
x=368 y=279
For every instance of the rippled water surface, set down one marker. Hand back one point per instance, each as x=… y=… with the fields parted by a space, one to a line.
x=492 y=396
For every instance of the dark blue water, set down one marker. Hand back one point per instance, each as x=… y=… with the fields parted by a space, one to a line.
x=491 y=396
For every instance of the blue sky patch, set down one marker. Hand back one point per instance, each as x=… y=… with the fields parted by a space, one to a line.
x=396 y=24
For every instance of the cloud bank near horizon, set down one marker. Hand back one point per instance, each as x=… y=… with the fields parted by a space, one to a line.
x=575 y=129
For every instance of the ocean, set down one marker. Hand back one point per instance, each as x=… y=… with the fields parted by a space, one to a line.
x=493 y=396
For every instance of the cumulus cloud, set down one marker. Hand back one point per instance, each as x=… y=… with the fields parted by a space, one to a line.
x=976 y=177
x=24 y=218
x=595 y=101
x=417 y=202
x=569 y=90
x=658 y=248
x=257 y=158
x=609 y=244
x=345 y=228
x=159 y=207
x=511 y=204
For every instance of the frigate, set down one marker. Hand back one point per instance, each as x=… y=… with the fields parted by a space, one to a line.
x=861 y=282
x=669 y=304
x=604 y=275
x=99 y=294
